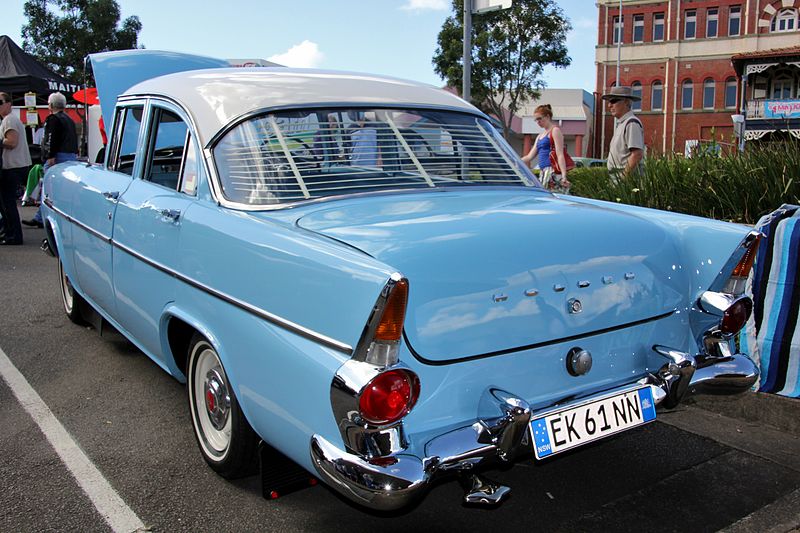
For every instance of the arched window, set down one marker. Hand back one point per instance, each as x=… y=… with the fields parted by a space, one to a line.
x=784 y=20
x=636 y=88
x=709 y=88
x=730 y=93
x=657 y=96
x=687 y=95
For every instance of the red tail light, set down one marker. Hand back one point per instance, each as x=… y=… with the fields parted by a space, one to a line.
x=389 y=396
x=736 y=315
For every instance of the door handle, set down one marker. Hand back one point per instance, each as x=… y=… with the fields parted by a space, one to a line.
x=111 y=195
x=171 y=214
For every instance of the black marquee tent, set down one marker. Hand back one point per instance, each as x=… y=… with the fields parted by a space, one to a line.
x=20 y=72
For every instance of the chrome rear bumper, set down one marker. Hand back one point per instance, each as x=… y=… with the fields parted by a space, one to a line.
x=501 y=432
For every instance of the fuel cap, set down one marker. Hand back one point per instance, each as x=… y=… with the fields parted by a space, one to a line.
x=579 y=361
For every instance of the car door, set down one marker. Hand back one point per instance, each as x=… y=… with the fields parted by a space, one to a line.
x=95 y=204
x=147 y=225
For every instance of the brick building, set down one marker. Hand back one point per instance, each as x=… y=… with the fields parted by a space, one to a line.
x=677 y=53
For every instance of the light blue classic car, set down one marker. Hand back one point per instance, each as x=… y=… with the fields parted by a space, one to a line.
x=358 y=272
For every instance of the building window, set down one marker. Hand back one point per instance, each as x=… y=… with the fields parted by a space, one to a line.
x=658 y=27
x=709 y=88
x=690 y=24
x=783 y=85
x=618 y=22
x=734 y=20
x=636 y=88
x=730 y=93
x=638 y=28
x=760 y=85
x=712 y=21
x=687 y=95
x=785 y=20
x=657 y=98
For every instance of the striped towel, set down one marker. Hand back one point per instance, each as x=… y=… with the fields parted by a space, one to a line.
x=772 y=335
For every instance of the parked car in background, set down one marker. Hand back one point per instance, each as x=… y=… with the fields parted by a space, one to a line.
x=582 y=162
x=360 y=273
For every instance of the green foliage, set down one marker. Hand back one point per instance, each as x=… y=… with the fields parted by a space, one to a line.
x=739 y=188
x=510 y=49
x=63 y=37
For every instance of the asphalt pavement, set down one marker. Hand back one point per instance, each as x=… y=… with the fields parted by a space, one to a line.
x=709 y=465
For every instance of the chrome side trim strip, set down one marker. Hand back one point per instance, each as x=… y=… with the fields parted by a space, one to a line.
x=101 y=236
x=257 y=311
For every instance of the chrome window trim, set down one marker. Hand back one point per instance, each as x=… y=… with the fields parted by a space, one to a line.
x=113 y=157
x=171 y=107
x=185 y=114
x=428 y=190
x=236 y=302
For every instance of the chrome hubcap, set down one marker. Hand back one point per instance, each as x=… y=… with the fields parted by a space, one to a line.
x=66 y=290
x=211 y=402
x=218 y=401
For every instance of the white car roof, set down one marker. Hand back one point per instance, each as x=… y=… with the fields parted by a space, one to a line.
x=215 y=97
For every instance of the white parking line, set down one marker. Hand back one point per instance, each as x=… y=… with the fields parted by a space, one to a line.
x=108 y=503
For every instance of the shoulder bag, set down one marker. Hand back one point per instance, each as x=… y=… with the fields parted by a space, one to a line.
x=554 y=158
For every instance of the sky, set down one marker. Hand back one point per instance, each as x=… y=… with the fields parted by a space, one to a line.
x=390 y=37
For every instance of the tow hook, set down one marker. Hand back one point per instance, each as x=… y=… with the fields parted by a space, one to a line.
x=479 y=490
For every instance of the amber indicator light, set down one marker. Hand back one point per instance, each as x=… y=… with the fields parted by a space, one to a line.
x=391 y=325
x=746 y=262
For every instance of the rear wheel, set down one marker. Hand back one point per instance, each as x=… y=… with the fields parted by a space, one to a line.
x=71 y=300
x=225 y=438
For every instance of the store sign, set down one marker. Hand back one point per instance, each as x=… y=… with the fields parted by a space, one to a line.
x=782 y=109
x=62 y=87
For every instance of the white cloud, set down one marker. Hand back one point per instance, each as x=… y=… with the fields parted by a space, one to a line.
x=419 y=5
x=303 y=55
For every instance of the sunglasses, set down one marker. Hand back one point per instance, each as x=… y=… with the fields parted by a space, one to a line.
x=614 y=100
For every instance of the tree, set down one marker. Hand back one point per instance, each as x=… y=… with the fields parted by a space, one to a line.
x=62 y=38
x=510 y=49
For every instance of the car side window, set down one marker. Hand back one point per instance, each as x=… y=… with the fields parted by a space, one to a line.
x=129 y=124
x=190 y=167
x=168 y=138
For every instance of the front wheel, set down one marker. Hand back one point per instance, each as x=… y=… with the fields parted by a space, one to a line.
x=226 y=440
x=71 y=300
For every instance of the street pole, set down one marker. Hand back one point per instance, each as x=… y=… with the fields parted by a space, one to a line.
x=619 y=41
x=466 y=81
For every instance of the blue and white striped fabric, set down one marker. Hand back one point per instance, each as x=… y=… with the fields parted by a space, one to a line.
x=772 y=335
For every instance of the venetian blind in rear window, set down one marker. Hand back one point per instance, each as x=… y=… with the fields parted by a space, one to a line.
x=293 y=156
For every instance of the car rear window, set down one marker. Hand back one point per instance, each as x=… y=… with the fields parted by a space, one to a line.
x=292 y=156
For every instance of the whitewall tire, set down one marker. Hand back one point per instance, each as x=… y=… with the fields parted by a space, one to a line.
x=225 y=438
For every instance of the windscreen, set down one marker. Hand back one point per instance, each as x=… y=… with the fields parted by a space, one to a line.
x=291 y=156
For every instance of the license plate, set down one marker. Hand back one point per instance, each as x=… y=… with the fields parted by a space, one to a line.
x=573 y=426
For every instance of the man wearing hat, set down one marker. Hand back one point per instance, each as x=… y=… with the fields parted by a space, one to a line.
x=626 y=150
